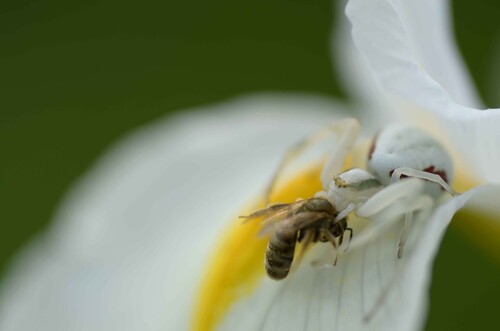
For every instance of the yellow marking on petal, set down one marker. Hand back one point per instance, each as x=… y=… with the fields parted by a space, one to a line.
x=479 y=226
x=237 y=266
x=464 y=180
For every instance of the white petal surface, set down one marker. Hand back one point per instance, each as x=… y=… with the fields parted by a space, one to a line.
x=408 y=46
x=130 y=241
x=337 y=298
x=372 y=104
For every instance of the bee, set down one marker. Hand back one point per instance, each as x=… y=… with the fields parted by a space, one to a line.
x=398 y=152
x=305 y=221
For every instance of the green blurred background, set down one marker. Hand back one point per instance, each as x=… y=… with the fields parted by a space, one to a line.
x=76 y=76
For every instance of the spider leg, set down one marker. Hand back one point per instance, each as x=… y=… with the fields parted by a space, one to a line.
x=388 y=205
x=410 y=172
x=411 y=196
x=386 y=197
x=392 y=214
x=404 y=233
x=424 y=205
x=348 y=129
x=345 y=212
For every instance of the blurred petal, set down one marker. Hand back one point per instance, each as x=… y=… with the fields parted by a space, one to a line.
x=412 y=33
x=369 y=289
x=131 y=239
x=372 y=103
x=408 y=46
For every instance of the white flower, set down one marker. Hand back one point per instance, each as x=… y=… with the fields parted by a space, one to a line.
x=128 y=248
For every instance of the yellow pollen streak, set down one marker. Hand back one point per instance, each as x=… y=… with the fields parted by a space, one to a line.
x=237 y=266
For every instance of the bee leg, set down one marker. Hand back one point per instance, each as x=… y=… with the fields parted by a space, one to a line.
x=341 y=237
x=350 y=238
x=333 y=241
x=305 y=242
x=347 y=130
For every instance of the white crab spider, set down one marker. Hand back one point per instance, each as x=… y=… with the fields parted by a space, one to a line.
x=397 y=152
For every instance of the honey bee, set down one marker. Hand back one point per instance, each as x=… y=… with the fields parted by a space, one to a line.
x=305 y=221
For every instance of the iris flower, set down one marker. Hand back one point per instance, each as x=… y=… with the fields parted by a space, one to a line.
x=148 y=239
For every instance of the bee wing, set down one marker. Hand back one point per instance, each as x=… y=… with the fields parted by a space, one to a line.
x=294 y=223
x=275 y=211
x=267 y=212
x=270 y=223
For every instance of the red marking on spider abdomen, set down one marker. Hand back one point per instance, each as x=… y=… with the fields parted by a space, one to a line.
x=430 y=169
x=392 y=171
x=441 y=173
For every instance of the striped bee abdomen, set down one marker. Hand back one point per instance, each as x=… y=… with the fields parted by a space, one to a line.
x=279 y=253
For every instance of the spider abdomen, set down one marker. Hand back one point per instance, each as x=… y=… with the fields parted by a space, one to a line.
x=401 y=146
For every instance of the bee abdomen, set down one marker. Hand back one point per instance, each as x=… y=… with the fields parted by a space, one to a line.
x=279 y=255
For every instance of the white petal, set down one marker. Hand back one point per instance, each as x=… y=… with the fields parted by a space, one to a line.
x=408 y=46
x=130 y=241
x=413 y=32
x=338 y=298
x=372 y=103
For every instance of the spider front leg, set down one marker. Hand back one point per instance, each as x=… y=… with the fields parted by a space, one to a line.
x=422 y=204
x=347 y=130
x=388 y=195
x=388 y=205
x=350 y=129
x=410 y=172
x=404 y=233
